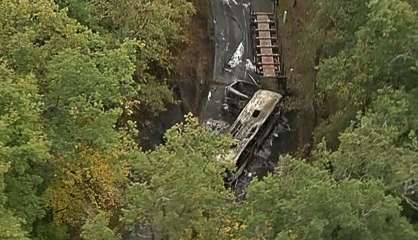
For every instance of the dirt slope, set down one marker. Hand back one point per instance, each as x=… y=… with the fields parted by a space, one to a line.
x=299 y=59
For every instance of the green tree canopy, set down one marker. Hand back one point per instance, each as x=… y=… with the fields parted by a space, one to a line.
x=304 y=202
x=97 y=229
x=383 y=53
x=380 y=145
x=178 y=189
x=23 y=144
x=10 y=226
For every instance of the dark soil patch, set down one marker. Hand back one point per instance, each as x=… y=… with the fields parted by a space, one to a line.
x=194 y=65
x=299 y=58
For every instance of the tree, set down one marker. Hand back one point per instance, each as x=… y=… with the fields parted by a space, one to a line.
x=10 y=226
x=66 y=92
x=156 y=27
x=157 y=24
x=83 y=11
x=70 y=78
x=336 y=22
x=388 y=36
x=97 y=229
x=178 y=189
x=383 y=54
x=23 y=144
x=304 y=202
x=382 y=145
x=86 y=96
x=87 y=182
x=34 y=31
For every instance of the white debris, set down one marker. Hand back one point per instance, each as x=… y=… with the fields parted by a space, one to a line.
x=250 y=66
x=246 y=5
x=235 y=2
x=226 y=2
x=222 y=35
x=209 y=95
x=217 y=125
x=284 y=17
x=237 y=57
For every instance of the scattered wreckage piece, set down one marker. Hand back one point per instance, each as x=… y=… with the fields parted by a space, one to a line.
x=218 y=126
x=237 y=95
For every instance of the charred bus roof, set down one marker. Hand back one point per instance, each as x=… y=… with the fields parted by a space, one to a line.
x=251 y=119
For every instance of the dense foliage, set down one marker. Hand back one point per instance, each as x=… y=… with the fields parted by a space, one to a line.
x=304 y=202
x=71 y=73
x=74 y=73
x=374 y=48
x=178 y=189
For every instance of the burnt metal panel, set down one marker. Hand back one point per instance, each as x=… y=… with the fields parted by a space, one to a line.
x=251 y=119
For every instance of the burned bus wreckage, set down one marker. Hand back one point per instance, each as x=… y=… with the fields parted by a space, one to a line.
x=249 y=104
